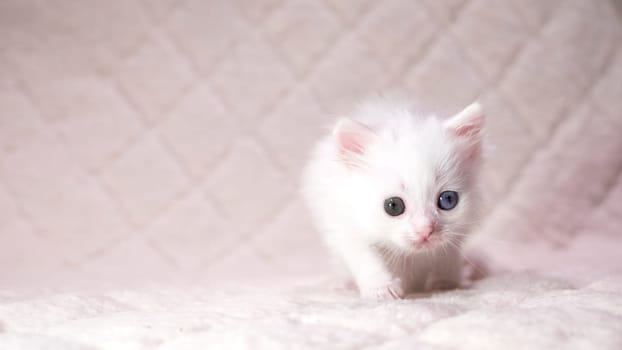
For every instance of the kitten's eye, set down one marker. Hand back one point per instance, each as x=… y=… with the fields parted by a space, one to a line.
x=394 y=206
x=447 y=200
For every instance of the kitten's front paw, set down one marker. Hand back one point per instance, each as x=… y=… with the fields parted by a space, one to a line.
x=389 y=290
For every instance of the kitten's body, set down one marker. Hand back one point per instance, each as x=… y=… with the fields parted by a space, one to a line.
x=384 y=150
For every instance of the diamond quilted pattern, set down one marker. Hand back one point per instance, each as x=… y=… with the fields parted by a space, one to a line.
x=205 y=30
x=575 y=36
x=511 y=136
x=590 y=144
x=97 y=122
x=540 y=93
x=8 y=211
x=144 y=179
x=70 y=35
x=142 y=259
x=56 y=99
x=20 y=123
x=604 y=218
x=162 y=9
x=199 y=129
x=154 y=77
x=61 y=202
x=390 y=33
x=176 y=130
x=350 y=10
x=301 y=31
x=40 y=252
x=257 y=10
x=247 y=187
x=186 y=226
x=348 y=72
x=250 y=75
x=305 y=251
x=88 y=27
x=447 y=10
x=20 y=27
x=609 y=88
x=536 y=13
x=438 y=75
x=281 y=130
x=479 y=34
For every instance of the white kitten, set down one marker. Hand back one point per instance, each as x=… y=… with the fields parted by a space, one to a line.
x=394 y=194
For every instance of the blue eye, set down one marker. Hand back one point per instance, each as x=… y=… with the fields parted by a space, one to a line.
x=394 y=206
x=447 y=200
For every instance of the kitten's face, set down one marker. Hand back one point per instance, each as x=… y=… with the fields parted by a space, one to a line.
x=414 y=185
x=416 y=199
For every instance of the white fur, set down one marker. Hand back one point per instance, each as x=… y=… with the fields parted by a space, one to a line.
x=411 y=156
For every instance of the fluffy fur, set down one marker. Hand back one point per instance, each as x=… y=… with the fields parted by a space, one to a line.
x=383 y=150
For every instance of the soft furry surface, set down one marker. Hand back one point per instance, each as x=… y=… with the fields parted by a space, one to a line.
x=513 y=311
x=561 y=306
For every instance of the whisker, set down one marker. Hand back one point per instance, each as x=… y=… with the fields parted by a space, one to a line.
x=474 y=265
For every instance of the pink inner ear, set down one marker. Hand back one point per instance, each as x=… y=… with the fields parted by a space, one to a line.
x=469 y=130
x=352 y=138
x=351 y=142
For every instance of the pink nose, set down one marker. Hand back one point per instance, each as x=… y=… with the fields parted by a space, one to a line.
x=425 y=231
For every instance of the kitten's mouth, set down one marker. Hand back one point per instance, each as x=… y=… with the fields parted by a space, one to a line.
x=426 y=243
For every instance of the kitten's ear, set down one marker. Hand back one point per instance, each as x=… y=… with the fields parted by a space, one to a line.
x=468 y=126
x=468 y=123
x=352 y=139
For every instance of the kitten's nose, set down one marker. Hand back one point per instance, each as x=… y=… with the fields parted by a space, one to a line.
x=425 y=231
x=425 y=228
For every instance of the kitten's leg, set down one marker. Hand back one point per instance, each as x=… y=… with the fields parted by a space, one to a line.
x=369 y=271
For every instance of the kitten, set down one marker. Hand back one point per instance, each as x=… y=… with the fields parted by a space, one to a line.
x=394 y=194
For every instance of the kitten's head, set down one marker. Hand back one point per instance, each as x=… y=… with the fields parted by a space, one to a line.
x=413 y=180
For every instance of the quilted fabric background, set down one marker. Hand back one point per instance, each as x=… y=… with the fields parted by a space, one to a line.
x=152 y=139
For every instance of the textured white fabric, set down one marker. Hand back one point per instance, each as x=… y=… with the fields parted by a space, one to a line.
x=514 y=311
x=560 y=299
